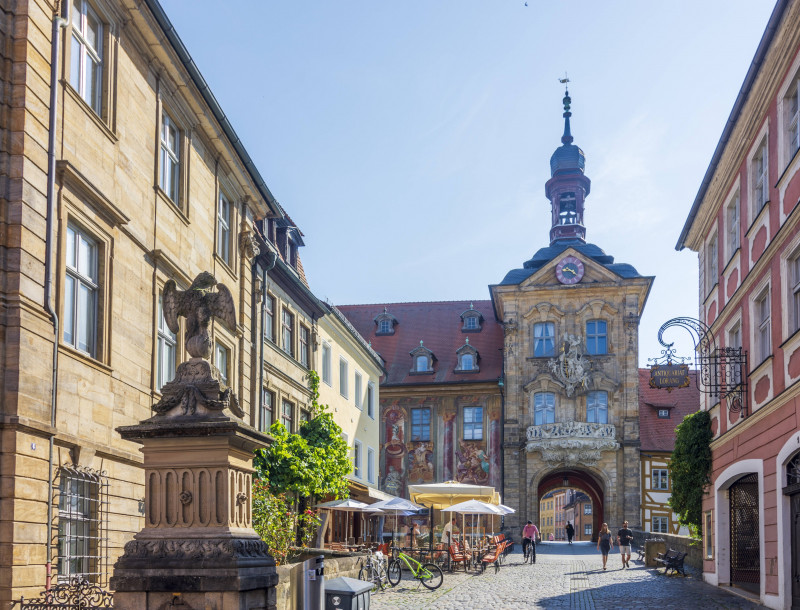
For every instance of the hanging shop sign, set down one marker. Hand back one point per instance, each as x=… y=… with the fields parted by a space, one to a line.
x=669 y=376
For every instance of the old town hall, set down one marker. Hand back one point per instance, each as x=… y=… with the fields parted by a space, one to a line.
x=532 y=390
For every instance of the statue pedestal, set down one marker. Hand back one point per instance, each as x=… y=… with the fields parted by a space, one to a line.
x=198 y=543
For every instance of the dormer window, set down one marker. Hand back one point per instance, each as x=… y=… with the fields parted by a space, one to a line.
x=384 y=323
x=422 y=360
x=467 y=359
x=472 y=320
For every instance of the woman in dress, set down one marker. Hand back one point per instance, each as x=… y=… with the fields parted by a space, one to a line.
x=604 y=543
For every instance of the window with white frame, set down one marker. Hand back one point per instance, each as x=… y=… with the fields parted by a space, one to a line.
x=371 y=400
x=81 y=291
x=544 y=334
x=82 y=525
x=596 y=337
x=732 y=225
x=762 y=324
x=587 y=529
x=794 y=287
x=544 y=408
x=357 y=459
x=597 y=407
x=86 y=54
x=221 y=361
x=466 y=362
x=167 y=348
x=792 y=119
x=659 y=524
x=265 y=416
x=420 y=424
x=660 y=478
x=471 y=323
x=357 y=389
x=224 y=228
x=170 y=158
x=269 y=321
x=735 y=335
x=663 y=414
x=587 y=509
x=473 y=423
x=708 y=535
x=422 y=364
x=326 y=363
x=712 y=266
x=370 y=465
x=287 y=414
x=303 y=340
x=760 y=180
x=287 y=331
x=343 y=374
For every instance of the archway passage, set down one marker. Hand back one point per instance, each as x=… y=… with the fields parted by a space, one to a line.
x=583 y=481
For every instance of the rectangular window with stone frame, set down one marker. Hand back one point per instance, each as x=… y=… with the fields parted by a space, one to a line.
x=791 y=119
x=712 y=266
x=167 y=349
x=371 y=400
x=544 y=334
x=81 y=291
x=732 y=225
x=82 y=549
x=222 y=362
x=420 y=424
x=269 y=318
x=357 y=451
x=87 y=53
x=357 y=391
x=170 y=165
x=266 y=412
x=224 y=220
x=326 y=363
x=473 y=423
x=287 y=331
x=794 y=287
x=763 y=326
x=544 y=408
x=287 y=415
x=303 y=339
x=343 y=374
x=597 y=407
x=760 y=178
x=596 y=337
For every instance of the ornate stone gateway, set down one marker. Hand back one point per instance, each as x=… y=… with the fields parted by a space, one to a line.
x=198 y=544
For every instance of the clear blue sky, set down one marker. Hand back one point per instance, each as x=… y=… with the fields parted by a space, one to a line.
x=410 y=140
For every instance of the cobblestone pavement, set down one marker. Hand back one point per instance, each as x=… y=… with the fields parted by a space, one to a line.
x=564 y=576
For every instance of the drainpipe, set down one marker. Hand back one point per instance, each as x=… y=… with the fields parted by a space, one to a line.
x=58 y=23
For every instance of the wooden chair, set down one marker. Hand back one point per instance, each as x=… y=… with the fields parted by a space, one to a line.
x=456 y=556
x=493 y=557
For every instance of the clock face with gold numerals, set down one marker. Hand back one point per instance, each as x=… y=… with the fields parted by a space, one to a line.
x=569 y=270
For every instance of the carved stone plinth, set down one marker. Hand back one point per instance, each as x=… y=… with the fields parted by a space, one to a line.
x=198 y=539
x=572 y=443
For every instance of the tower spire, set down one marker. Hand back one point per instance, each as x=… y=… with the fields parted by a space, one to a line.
x=568 y=187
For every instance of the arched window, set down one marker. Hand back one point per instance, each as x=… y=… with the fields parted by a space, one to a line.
x=544 y=408
x=467 y=358
x=567 y=210
x=385 y=323
x=385 y=327
x=467 y=362
x=597 y=407
x=422 y=364
x=422 y=360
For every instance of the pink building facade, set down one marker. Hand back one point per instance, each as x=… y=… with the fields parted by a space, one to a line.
x=745 y=226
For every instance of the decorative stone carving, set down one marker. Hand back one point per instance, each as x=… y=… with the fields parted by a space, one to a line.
x=185 y=497
x=248 y=245
x=197 y=388
x=569 y=368
x=572 y=443
x=203 y=548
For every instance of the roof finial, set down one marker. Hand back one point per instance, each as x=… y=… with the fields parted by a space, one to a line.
x=567 y=137
x=420 y=342
x=467 y=340
x=384 y=309
x=471 y=306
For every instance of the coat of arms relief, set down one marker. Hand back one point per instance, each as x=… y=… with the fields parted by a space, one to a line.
x=570 y=369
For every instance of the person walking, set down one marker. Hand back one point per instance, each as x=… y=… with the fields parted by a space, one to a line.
x=624 y=538
x=529 y=534
x=570 y=532
x=605 y=543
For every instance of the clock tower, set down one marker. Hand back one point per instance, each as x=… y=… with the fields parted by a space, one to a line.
x=570 y=363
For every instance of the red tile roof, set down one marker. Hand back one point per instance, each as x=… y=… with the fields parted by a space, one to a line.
x=657 y=434
x=438 y=325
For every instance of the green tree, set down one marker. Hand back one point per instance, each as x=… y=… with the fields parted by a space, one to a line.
x=691 y=468
x=313 y=462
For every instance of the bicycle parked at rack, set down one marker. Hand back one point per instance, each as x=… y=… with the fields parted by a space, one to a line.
x=373 y=570
x=428 y=574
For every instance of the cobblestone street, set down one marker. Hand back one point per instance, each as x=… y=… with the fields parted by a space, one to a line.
x=563 y=577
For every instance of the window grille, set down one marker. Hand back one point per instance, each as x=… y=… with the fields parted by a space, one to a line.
x=82 y=534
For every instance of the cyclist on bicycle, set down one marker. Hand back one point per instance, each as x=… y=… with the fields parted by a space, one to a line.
x=529 y=535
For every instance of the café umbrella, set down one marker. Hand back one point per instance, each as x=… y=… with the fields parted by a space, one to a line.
x=347 y=505
x=398 y=506
x=474 y=507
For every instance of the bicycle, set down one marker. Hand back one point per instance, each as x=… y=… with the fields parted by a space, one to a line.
x=373 y=570
x=529 y=552
x=428 y=574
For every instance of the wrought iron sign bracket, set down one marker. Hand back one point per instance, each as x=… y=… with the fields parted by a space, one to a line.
x=722 y=371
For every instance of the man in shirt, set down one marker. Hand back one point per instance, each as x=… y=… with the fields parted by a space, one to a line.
x=529 y=534
x=624 y=538
x=447 y=533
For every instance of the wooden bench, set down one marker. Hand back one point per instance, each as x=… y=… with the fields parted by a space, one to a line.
x=672 y=560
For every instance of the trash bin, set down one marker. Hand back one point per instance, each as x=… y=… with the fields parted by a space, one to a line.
x=308 y=584
x=347 y=594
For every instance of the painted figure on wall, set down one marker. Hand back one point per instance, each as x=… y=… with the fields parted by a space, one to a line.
x=394 y=450
x=473 y=464
x=421 y=468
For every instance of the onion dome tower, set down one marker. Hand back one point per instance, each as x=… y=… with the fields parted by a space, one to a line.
x=568 y=186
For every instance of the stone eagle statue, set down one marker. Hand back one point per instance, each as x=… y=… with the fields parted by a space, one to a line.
x=199 y=304
x=197 y=389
